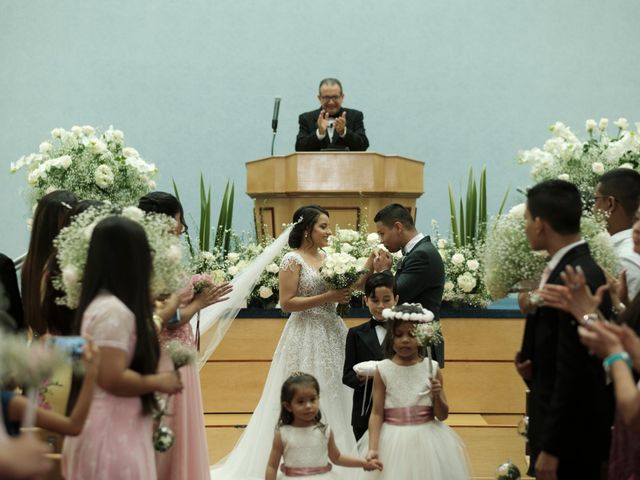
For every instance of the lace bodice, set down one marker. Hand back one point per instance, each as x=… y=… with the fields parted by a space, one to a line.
x=305 y=446
x=310 y=282
x=406 y=386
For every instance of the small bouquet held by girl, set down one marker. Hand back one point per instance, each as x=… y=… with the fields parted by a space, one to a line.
x=302 y=440
x=406 y=432
x=341 y=270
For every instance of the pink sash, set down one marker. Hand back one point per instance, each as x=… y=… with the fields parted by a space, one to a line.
x=304 y=471
x=414 y=415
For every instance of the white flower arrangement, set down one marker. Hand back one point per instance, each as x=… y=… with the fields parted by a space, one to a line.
x=73 y=243
x=464 y=272
x=510 y=263
x=89 y=164
x=564 y=156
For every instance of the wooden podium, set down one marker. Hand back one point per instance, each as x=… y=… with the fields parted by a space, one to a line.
x=352 y=186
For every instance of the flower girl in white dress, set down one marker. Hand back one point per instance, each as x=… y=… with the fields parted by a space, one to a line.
x=303 y=440
x=406 y=432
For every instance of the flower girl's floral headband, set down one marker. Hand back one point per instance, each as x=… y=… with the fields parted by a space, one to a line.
x=426 y=331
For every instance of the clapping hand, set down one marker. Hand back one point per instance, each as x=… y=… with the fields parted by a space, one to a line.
x=574 y=296
x=323 y=122
x=605 y=339
x=215 y=294
x=341 y=124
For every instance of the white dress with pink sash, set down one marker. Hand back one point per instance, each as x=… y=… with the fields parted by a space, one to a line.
x=413 y=444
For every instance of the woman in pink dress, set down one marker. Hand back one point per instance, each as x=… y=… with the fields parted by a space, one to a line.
x=188 y=457
x=115 y=310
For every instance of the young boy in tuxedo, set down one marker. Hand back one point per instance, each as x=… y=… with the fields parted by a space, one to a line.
x=364 y=343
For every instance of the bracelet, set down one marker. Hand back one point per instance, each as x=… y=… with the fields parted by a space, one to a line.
x=175 y=319
x=614 y=357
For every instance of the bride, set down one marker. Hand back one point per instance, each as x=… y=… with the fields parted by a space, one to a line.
x=312 y=341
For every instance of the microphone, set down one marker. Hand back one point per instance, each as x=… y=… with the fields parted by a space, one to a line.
x=276 y=111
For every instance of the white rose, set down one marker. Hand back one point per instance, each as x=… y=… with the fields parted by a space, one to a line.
x=346 y=247
x=57 y=133
x=88 y=130
x=273 y=268
x=329 y=250
x=373 y=239
x=466 y=282
x=361 y=262
x=603 y=124
x=265 y=292
x=563 y=176
x=217 y=276
x=70 y=275
x=134 y=213
x=622 y=123
x=65 y=161
x=207 y=255
x=241 y=264
x=44 y=147
x=448 y=286
x=442 y=243
x=590 y=125
x=457 y=259
x=103 y=176
x=130 y=152
x=76 y=130
x=597 y=168
x=233 y=270
x=473 y=265
x=233 y=257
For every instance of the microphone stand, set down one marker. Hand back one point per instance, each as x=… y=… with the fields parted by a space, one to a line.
x=273 y=141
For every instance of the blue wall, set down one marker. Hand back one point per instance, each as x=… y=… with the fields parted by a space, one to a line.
x=454 y=82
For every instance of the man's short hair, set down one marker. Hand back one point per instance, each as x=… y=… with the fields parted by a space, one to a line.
x=330 y=81
x=624 y=185
x=395 y=213
x=558 y=203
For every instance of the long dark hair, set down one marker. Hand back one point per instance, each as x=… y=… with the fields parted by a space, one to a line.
x=59 y=319
x=306 y=217
x=119 y=261
x=48 y=220
x=163 y=202
x=290 y=386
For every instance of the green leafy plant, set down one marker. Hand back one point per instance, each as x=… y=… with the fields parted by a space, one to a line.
x=223 y=231
x=469 y=223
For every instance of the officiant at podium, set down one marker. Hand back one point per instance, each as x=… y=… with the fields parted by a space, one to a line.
x=331 y=126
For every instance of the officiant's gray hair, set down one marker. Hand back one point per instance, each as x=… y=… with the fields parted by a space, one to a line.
x=330 y=81
x=304 y=219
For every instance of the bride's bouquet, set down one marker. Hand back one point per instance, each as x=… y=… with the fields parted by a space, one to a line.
x=341 y=270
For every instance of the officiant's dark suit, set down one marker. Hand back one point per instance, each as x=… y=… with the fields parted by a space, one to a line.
x=570 y=406
x=362 y=345
x=355 y=138
x=9 y=290
x=420 y=279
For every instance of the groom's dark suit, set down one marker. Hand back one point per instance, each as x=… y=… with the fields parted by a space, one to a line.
x=362 y=345
x=570 y=406
x=355 y=139
x=420 y=279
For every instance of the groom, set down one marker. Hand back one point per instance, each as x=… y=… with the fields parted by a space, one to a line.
x=420 y=273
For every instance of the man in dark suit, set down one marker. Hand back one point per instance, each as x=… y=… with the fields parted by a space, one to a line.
x=364 y=343
x=331 y=126
x=570 y=406
x=420 y=273
x=9 y=293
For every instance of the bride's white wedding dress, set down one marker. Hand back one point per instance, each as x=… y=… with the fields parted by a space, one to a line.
x=313 y=342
